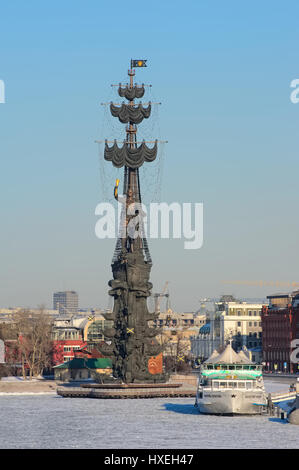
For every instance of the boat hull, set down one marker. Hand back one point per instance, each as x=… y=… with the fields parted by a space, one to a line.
x=231 y=402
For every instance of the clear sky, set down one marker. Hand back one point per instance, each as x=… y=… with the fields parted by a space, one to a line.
x=222 y=71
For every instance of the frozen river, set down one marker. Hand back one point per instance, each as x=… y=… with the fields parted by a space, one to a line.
x=53 y=422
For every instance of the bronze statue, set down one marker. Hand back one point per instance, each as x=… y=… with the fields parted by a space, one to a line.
x=133 y=342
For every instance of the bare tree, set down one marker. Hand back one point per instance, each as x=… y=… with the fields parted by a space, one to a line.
x=34 y=340
x=176 y=351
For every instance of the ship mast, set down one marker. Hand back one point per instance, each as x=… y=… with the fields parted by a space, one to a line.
x=133 y=176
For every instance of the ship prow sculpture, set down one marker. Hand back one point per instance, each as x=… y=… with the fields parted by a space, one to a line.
x=135 y=351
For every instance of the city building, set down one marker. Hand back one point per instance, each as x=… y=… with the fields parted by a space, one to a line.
x=280 y=323
x=204 y=343
x=242 y=322
x=181 y=320
x=177 y=331
x=7 y=314
x=231 y=319
x=71 y=335
x=82 y=369
x=66 y=302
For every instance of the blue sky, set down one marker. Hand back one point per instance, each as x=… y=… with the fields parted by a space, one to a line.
x=222 y=71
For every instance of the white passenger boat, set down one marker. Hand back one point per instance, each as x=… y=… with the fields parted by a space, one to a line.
x=229 y=383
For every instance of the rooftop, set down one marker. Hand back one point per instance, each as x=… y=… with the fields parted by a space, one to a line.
x=82 y=363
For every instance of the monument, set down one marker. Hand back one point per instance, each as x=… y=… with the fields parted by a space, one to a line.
x=135 y=352
x=131 y=342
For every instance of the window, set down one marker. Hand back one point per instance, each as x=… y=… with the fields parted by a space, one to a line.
x=95 y=331
x=250 y=313
x=250 y=323
x=241 y=385
x=239 y=313
x=222 y=384
x=232 y=384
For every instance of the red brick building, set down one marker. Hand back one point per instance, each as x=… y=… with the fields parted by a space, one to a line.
x=77 y=338
x=280 y=326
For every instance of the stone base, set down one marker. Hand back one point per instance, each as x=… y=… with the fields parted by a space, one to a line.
x=131 y=386
x=132 y=390
x=293 y=417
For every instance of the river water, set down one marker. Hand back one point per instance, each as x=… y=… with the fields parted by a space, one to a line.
x=54 y=422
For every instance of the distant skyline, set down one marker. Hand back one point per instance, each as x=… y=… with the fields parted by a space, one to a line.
x=222 y=71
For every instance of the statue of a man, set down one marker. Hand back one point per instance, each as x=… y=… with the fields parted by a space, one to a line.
x=132 y=211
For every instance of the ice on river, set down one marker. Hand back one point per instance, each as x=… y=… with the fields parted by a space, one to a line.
x=41 y=422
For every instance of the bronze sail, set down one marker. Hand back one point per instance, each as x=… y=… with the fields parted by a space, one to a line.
x=130 y=157
x=133 y=114
x=131 y=93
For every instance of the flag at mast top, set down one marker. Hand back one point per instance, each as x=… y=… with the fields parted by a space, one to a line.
x=138 y=63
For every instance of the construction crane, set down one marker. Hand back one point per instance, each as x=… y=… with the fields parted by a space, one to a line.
x=158 y=296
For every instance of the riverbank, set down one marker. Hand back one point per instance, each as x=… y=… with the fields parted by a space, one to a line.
x=27 y=386
x=17 y=385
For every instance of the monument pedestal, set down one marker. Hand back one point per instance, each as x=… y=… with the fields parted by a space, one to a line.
x=133 y=390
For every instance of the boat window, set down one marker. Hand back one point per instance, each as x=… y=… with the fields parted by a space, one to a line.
x=248 y=385
x=222 y=384
x=216 y=384
x=231 y=367
x=231 y=384
x=241 y=385
x=246 y=367
x=238 y=367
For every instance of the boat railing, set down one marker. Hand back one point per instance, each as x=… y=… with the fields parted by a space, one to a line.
x=231 y=367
